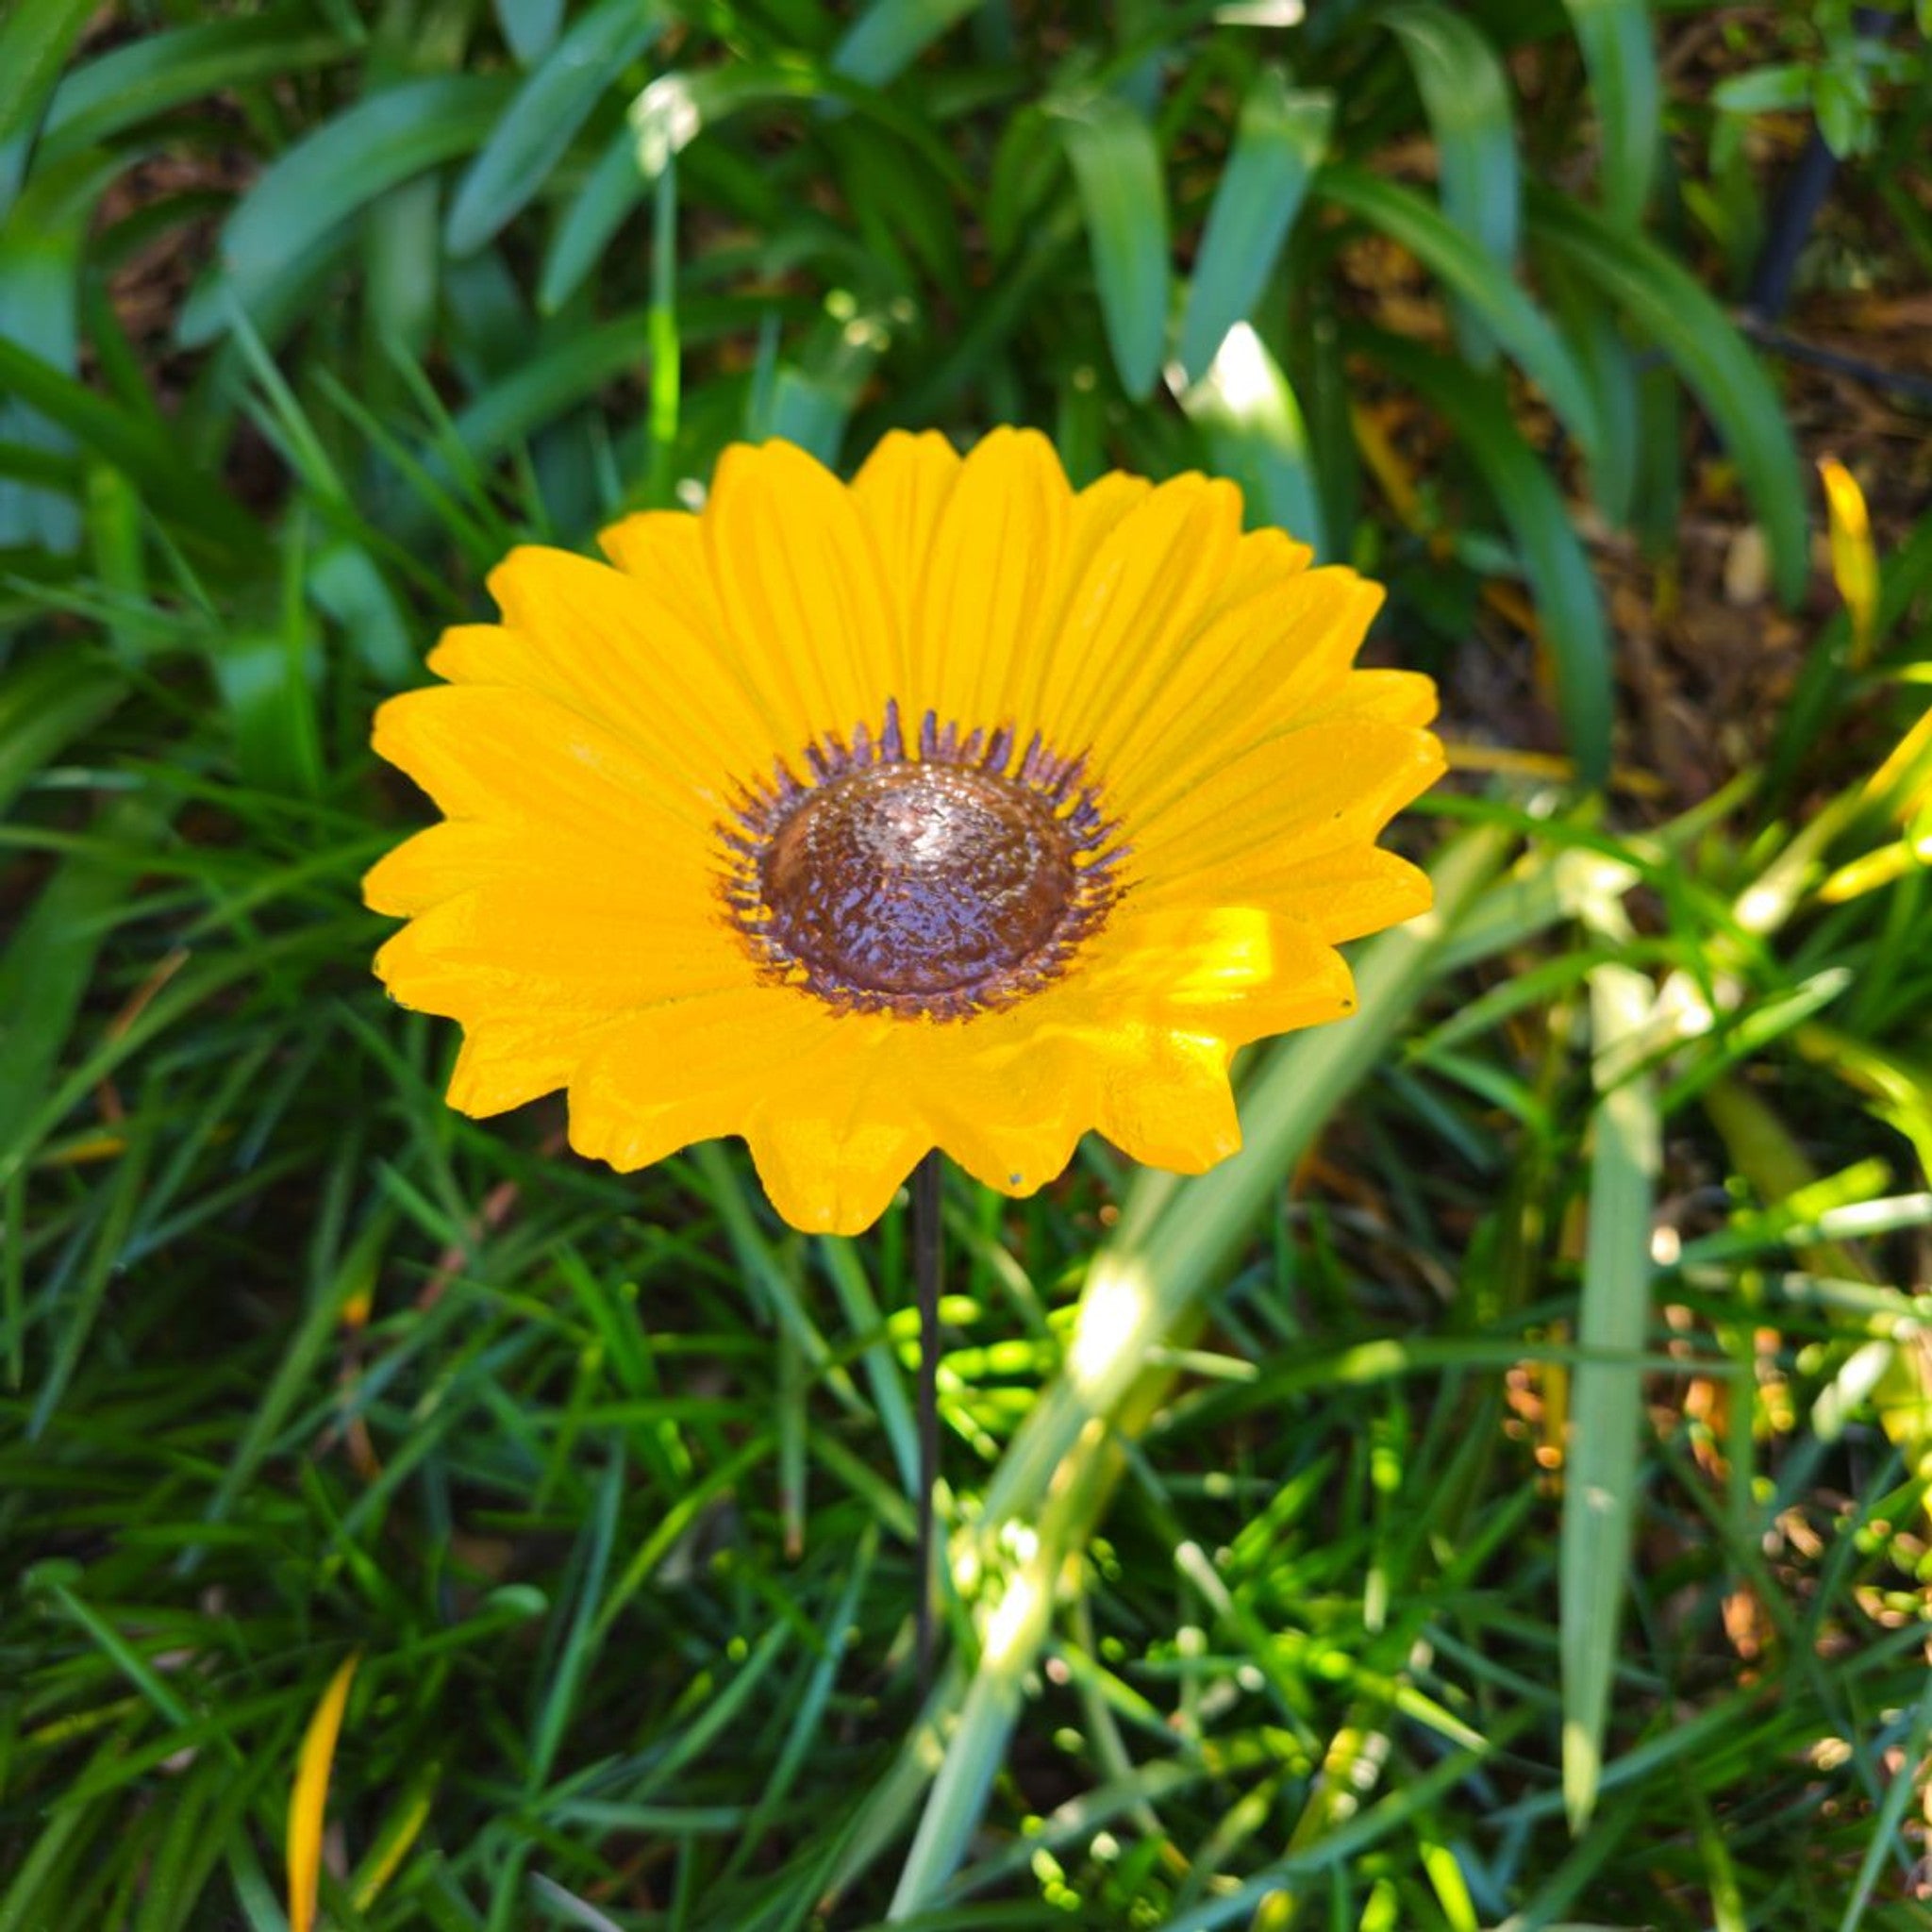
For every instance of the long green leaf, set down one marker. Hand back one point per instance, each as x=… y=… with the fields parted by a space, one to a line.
x=1278 y=143
x=35 y=39
x=1466 y=96
x=1523 y=329
x=330 y=177
x=614 y=187
x=1666 y=304
x=1553 y=559
x=1253 y=425
x=1124 y=197
x=147 y=77
x=544 y=119
x=46 y=704
x=890 y=35
x=1606 y=1407
x=1619 y=53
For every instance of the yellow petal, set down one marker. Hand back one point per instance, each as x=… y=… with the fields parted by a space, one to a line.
x=902 y=490
x=1138 y=601
x=995 y=570
x=564 y=947
x=520 y=760
x=801 y=587
x=639 y=662
x=1170 y=1104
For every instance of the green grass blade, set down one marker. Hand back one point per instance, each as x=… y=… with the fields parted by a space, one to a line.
x=542 y=122
x=1124 y=196
x=890 y=35
x=35 y=40
x=1523 y=329
x=1666 y=304
x=1606 y=1411
x=1466 y=96
x=614 y=187
x=1278 y=143
x=45 y=702
x=147 y=77
x=1620 y=57
x=1553 y=559
x=330 y=177
x=1255 y=433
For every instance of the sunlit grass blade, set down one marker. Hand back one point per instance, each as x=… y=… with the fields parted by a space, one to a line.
x=1256 y=435
x=1602 y=1461
x=1666 y=304
x=1171 y=1236
x=1467 y=98
x=1279 y=139
x=1523 y=329
x=1124 y=197
x=1620 y=54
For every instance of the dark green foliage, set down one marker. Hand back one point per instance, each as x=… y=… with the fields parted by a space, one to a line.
x=307 y=314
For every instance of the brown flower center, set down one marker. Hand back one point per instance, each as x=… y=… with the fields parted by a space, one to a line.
x=918 y=879
x=937 y=878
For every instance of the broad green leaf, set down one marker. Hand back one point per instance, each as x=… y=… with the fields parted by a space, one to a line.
x=529 y=25
x=1255 y=433
x=146 y=77
x=1117 y=170
x=1523 y=329
x=35 y=40
x=1552 y=560
x=1620 y=57
x=1606 y=1395
x=890 y=35
x=1666 y=304
x=329 y=177
x=1278 y=143
x=614 y=187
x=544 y=119
x=1466 y=96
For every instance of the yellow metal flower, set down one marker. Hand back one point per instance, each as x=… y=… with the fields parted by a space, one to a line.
x=951 y=807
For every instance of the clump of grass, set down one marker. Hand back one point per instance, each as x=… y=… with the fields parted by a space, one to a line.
x=1498 y=1497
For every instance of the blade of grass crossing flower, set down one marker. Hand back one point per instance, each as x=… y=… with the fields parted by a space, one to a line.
x=1123 y=198
x=310 y=1795
x=1553 y=559
x=1618 y=54
x=1607 y=1412
x=1523 y=330
x=1173 y=1236
x=541 y=123
x=1666 y=304
x=1466 y=96
x=1279 y=142
x=332 y=176
x=890 y=35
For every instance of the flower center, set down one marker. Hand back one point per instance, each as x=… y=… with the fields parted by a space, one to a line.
x=937 y=878
x=916 y=878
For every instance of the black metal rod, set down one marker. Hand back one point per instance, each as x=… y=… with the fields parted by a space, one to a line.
x=925 y=1268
